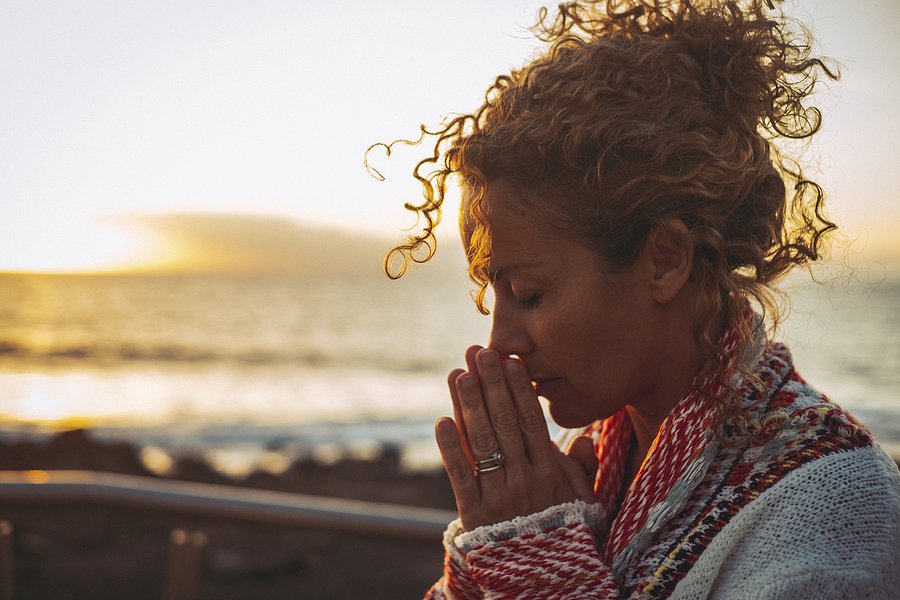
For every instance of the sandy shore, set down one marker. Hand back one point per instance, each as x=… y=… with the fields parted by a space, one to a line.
x=81 y=552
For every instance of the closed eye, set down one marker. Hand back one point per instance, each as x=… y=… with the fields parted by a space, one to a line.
x=531 y=302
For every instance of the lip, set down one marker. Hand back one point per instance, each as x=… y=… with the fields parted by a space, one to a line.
x=539 y=378
x=544 y=385
x=542 y=382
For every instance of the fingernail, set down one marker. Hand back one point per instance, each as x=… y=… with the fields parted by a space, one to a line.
x=445 y=425
x=512 y=366
x=489 y=356
x=466 y=380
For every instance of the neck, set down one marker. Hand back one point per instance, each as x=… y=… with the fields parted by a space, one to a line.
x=680 y=360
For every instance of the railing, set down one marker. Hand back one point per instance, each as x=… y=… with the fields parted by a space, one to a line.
x=210 y=501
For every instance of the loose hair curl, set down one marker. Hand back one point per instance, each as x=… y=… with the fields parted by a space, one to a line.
x=638 y=114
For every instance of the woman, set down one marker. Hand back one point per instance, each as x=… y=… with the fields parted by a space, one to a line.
x=625 y=201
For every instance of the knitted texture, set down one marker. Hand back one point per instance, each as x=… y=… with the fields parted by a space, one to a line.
x=536 y=556
x=680 y=442
x=801 y=503
x=841 y=509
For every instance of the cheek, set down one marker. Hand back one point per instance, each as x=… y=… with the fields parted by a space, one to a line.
x=602 y=362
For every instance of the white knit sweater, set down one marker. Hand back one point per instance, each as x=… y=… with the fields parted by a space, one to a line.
x=827 y=530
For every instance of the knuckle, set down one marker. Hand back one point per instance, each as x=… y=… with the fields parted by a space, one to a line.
x=459 y=472
x=505 y=420
x=533 y=422
x=483 y=441
x=523 y=388
x=494 y=380
x=471 y=401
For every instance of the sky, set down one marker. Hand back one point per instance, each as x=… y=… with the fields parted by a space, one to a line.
x=128 y=127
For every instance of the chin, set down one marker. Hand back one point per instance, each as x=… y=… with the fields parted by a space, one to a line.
x=567 y=419
x=574 y=411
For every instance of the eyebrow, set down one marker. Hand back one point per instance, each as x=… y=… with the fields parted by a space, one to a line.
x=495 y=274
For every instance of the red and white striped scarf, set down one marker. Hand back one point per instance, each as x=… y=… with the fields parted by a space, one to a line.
x=681 y=439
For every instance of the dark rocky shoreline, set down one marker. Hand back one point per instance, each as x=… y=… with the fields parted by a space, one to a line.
x=383 y=475
x=75 y=552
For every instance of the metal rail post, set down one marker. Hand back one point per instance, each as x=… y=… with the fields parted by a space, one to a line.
x=183 y=565
x=6 y=560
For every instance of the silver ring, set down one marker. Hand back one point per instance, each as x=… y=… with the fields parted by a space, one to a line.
x=493 y=463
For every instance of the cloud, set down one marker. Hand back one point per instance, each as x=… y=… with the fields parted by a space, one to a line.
x=230 y=243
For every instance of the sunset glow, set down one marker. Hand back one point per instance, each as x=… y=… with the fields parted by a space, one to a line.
x=232 y=108
x=79 y=246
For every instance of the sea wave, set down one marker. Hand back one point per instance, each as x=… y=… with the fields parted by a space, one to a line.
x=18 y=355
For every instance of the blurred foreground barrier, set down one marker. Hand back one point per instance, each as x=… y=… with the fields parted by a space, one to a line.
x=202 y=500
x=221 y=501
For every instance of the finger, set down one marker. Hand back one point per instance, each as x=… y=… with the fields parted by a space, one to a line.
x=581 y=484
x=478 y=424
x=462 y=478
x=532 y=423
x=581 y=449
x=471 y=352
x=458 y=415
x=499 y=404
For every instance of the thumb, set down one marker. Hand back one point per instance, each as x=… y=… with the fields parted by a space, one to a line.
x=582 y=450
x=581 y=484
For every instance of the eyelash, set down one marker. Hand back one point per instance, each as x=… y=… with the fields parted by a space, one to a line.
x=531 y=302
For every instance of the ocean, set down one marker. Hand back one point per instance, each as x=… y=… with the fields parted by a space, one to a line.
x=254 y=371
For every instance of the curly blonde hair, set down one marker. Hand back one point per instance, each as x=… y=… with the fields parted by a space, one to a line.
x=639 y=113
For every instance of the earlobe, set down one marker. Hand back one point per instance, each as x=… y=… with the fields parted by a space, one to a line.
x=671 y=254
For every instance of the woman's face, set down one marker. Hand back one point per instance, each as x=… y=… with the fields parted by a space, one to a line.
x=585 y=333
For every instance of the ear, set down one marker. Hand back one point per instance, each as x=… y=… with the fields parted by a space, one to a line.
x=670 y=253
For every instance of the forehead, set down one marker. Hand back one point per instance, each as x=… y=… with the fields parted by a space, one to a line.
x=516 y=234
x=520 y=234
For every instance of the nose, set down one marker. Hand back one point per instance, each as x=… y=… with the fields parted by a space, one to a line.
x=508 y=332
